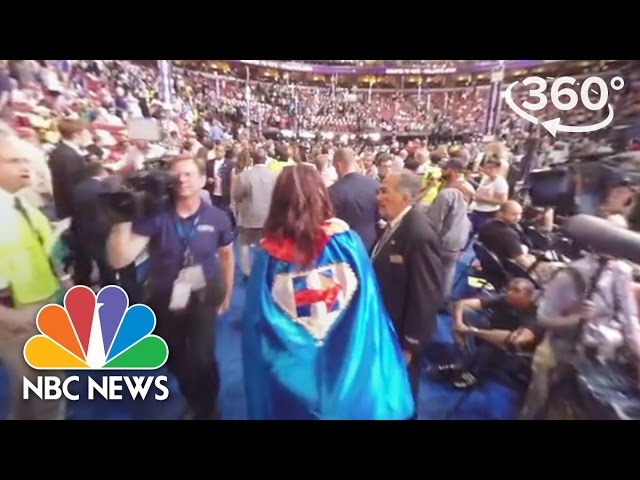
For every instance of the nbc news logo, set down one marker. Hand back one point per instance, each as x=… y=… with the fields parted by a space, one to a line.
x=96 y=332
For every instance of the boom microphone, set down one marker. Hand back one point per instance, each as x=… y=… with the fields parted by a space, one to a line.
x=603 y=237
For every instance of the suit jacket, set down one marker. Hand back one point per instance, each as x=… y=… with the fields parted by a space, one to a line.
x=68 y=168
x=225 y=174
x=354 y=201
x=90 y=219
x=409 y=272
x=252 y=191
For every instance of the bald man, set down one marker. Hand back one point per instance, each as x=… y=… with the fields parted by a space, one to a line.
x=354 y=197
x=500 y=235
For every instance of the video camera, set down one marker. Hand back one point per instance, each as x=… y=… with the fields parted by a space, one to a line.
x=142 y=193
x=580 y=185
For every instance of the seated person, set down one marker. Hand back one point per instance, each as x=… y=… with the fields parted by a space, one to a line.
x=502 y=238
x=500 y=343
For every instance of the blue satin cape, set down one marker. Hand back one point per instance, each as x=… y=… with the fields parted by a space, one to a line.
x=358 y=371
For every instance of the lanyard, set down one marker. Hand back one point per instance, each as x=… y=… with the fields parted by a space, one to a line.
x=186 y=239
x=19 y=206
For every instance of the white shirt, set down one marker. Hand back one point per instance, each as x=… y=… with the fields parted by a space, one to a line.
x=6 y=199
x=490 y=188
x=393 y=224
x=9 y=216
x=391 y=228
x=329 y=176
x=217 y=190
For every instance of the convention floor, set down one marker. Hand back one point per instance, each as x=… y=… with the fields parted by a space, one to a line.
x=489 y=401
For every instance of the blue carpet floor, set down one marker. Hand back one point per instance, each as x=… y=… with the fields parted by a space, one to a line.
x=487 y=402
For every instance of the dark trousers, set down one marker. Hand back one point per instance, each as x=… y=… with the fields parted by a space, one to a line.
x=413 y=368
x=485 y=359
x=449 y=264
x=127 y=279
x=190 y=335
x=219 y=202
x=478 y=219
x=84 y=257
x=82 y=261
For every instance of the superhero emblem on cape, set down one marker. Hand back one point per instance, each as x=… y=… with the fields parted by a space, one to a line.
x=315 y=299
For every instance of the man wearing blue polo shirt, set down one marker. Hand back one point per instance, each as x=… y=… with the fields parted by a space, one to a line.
x=186 y=289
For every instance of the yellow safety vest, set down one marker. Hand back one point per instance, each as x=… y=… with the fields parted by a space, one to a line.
x=431 y=173
x=25 y=256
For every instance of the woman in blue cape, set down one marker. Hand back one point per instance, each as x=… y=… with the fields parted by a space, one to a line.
x=317 y=341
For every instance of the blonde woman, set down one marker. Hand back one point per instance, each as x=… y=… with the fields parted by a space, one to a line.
x=492 y=192
x=500 y=151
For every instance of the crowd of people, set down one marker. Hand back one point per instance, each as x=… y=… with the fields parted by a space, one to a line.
x=348 y=249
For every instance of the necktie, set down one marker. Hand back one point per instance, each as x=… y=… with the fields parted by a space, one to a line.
x=383 y=239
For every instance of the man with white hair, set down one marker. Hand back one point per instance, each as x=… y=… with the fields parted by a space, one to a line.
x=28 y=278
x=407 y=263
x=39 y=192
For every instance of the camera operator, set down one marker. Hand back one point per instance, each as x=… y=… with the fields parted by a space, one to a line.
x=91 y=225
x=185 y=288
x=588 y=307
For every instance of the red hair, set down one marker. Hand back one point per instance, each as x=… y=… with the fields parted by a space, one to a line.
x=299 y=207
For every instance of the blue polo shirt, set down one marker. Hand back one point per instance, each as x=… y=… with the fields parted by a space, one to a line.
x=168 y=233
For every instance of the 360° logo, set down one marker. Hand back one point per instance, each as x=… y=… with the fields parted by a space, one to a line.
x=565 y=99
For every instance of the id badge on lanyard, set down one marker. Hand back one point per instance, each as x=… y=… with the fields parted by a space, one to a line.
x=191 y=276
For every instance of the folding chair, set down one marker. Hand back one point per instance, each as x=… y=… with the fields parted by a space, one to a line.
x=492 y=269
x=515 y=270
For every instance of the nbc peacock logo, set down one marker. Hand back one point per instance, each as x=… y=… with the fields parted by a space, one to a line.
x=95 y=332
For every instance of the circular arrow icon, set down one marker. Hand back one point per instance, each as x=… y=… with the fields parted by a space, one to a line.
x=516 y=108
x=554 y=126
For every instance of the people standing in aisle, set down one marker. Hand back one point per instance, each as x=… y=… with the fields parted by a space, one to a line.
x=407 y=263
x=190 y=280
x=252 y=193
x=449 y=214
x=29 y=281
x=354 y=197
x=492 y=192
x=317 y=342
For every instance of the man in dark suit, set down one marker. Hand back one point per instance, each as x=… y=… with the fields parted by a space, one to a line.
x=91 y=223
x=219 y=179
x=407 y=263
x=68 y=168
x=354 y=197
